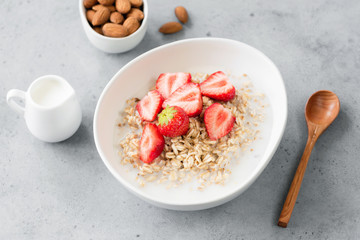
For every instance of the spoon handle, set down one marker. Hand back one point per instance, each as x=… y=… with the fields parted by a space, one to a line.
x=296 y=184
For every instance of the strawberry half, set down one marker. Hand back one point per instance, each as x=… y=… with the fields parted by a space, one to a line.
x=173 y=121
x=188 y=97
x=151 y=144
x=218 y=121
x=150 y=106
x=217 y=86
x=167 y=83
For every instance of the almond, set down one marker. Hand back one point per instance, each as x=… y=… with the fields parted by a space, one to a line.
x=106 y=2
x=136 y=3
x=131 y=24
x=136 y=13
x=170 y=27
x=101 y=16
x=181 y=14
x=98 y=6
x=116 y=17
x=90 y=15
x=114 y=30
x=98 y=30
x=89 y=3
x=111 y=8
x=123 y=6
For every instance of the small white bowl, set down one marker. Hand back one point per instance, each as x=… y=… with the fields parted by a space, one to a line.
x=114 y=45
x=205 y=55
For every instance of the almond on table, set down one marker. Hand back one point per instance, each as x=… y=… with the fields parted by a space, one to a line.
x=170 y=27
x=181 y=14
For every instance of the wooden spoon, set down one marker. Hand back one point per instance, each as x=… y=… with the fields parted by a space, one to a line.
x=321 y=110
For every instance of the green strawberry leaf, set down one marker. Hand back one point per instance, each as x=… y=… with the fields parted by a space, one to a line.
x=167 y=114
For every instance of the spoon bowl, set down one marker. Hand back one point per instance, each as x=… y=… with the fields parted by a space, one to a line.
x=322 y=108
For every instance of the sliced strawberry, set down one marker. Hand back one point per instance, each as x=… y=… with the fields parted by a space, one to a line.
x=167 y=83
x=218 y=87
x=188 y=97
x=173 y=121
x=218 y=121
x=151 y=144
x=150 y=106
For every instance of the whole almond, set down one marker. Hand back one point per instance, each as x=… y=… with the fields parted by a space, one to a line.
x=122 y=6
x=106 y=2
x=98 y=6
x=181 y=14
x=136 y=3
x=136 y=13
x=98 y=30
x=101 y=16
x=114 y=30
x=90 y=15
x=116 y=17
x=170 y=27
x=131 y=24
x=89 y=3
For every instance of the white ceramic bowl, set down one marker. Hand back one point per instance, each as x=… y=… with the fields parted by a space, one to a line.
x=114 y=45
x=193 y=55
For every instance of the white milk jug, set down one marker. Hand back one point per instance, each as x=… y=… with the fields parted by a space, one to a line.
x=52 y=111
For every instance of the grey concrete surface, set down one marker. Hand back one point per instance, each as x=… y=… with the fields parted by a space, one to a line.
x=64 y=191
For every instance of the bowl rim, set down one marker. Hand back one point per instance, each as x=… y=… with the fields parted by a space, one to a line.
x=241 y=186
x=137 y=32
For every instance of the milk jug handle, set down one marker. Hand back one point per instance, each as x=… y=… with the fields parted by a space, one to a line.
x=10 y=99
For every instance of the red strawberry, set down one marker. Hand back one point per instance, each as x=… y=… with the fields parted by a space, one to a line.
x=218 y=87
x=151 y=144
x=173 y=121
x=150 y=106
x=188 y=97
x=218 y=121
x=167 y=83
